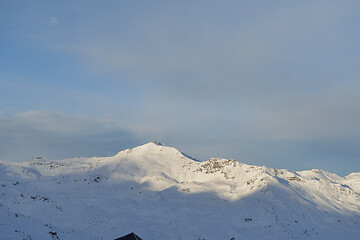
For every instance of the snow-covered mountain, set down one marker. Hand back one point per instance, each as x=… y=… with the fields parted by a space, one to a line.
x=160 y=193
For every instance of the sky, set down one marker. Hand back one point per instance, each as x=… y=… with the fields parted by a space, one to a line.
x=272 y=83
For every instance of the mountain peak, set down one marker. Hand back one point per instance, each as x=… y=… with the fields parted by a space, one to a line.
x=152 y=145
x=154 y=149
x=157 y=143
x=165 y=189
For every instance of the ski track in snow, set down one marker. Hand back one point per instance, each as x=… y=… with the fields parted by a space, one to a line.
x=160 y=193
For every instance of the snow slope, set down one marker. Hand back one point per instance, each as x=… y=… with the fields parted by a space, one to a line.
x=160 y=193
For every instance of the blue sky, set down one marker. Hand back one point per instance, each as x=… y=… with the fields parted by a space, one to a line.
x=268 y=83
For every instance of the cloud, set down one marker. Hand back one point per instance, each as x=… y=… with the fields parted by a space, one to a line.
x=262 y=83
x=243 y=54
x=318 y=115
x=54 y=20
x=316 y=129
x=34 y=133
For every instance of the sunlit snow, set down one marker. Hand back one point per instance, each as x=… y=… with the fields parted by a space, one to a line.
x=160 y=193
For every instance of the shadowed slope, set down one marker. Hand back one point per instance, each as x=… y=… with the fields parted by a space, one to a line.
x=159 y=193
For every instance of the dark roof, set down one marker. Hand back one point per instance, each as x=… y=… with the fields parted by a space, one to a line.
x=131 y=236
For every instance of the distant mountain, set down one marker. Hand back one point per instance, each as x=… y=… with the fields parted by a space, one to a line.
x=160 y=193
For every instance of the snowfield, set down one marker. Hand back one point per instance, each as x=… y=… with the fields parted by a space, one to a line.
x=160 y=193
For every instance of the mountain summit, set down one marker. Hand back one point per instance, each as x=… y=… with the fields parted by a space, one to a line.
x=161 y=193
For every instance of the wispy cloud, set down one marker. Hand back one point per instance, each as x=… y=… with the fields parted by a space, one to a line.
x=327 y=114
x=213 y=79
x=34 y=133
x=54 y=20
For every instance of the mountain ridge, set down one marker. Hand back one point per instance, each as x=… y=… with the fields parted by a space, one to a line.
x=160 y=193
